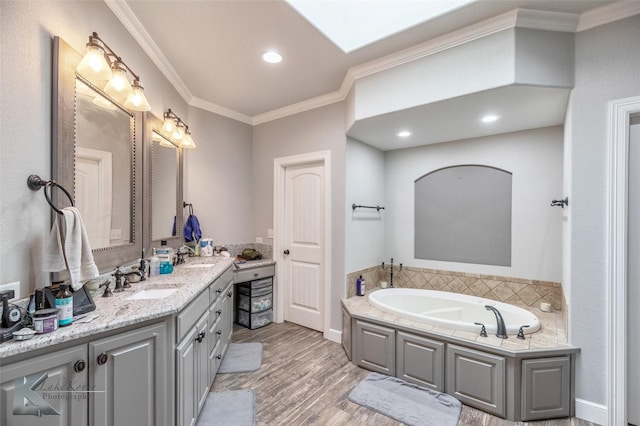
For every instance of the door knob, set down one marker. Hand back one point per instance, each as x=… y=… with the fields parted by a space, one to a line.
x=286 y=252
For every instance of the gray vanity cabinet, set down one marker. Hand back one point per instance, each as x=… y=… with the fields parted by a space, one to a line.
x=476 y=378
x=420 y=360
x=546 y=388
x=346 y=333
x=130 y=377
x=227 y=316
x=60 y=370
x=374 y=348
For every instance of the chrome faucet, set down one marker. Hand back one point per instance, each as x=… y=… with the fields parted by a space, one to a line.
x=502 y=329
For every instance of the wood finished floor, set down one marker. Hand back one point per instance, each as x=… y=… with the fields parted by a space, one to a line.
x=305 y=380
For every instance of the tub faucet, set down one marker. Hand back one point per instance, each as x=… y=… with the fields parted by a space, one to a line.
x=502 y=330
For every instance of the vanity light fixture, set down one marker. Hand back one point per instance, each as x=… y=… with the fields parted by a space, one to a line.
x=100 y=63
x=177 y=130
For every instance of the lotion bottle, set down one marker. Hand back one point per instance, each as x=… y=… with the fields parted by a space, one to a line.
x=64 y=303
x=360 y=286
x=154 y=265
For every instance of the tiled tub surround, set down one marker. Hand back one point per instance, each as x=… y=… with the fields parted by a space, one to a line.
x=552 y=332
x=117 y=312
x=516 y=291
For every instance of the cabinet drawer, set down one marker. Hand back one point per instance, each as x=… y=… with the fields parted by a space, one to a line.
x=254 y=304
x=244 y=275
x=476 y=379
x=253 y=321
x=226 y=277
x=189 y=315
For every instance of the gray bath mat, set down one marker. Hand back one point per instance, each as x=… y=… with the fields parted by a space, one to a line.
x=241 y=358
x=230 y=408
x=405 y=402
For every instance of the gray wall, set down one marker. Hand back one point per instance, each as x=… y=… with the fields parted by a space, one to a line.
x=26 y=31
x=535 y=159
x=316 y=130
x=218 y=177
x=364 y=228
x=607 y=68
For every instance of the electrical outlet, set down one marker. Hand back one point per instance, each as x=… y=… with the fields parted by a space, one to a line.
x=12 y=286
x=259 y=240
x=116 y=234
x=270 y=233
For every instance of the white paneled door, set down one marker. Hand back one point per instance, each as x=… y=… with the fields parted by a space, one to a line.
x=303 y=245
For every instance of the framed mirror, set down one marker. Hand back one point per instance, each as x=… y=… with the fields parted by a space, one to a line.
x=163 y=197
x=96 y=156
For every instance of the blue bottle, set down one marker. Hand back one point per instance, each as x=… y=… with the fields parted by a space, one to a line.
x=360 y=286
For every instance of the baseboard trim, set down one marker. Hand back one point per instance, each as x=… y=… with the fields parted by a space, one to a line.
x=592 y=412
x=333 y=335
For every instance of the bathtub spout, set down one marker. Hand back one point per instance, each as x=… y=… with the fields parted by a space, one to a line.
x=502 y=329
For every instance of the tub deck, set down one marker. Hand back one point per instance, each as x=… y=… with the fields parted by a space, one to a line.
x=552 y=333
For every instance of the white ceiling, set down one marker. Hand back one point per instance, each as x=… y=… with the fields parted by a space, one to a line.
x=210 y=50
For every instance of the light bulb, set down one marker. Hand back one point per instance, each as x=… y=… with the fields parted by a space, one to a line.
x=188 y=142
x=118 y=87
x=169 y=125
x=177 y=135
x=94 y=65
x=136 y=100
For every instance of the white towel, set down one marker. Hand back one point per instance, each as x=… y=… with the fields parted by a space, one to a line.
x=68 y=248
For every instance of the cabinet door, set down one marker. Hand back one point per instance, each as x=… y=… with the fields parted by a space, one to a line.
x=201 y=377
x=346 y=333
x=476 y=379
x=546 y=388
x=420 y=361
x=130 y=372
x=374 y=347
x=54 y=385
x=185 y=385
x=227 y=317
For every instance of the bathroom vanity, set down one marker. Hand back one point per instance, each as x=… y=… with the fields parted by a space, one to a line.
x=517 y=380
x=140 y=361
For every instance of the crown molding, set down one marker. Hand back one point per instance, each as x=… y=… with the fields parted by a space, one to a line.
x=298 y=107
x=131 y=22
x=608 y=13
x=220 y=110
x=546 y=20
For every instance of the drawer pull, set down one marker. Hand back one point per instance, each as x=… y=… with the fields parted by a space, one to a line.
x=102 y=359
x=219 y=312
x=230 y=293
x=219 y=356
x=219 y=291
x=219 y=332
x=79 y=366
x=200 y=337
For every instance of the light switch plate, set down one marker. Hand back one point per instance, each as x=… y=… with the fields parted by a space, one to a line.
x=15 y=286
x=270 y=233
x=259 y=240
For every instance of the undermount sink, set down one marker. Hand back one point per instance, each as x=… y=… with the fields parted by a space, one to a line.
x=152 y=293
x=200 y=265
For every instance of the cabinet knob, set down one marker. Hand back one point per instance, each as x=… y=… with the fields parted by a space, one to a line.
x=230 y=293
x=219 y=332
x=219 y=291
x=219 y=312
x=200 y=337
x=219 y=356
x=79 y=366
x=102 y=359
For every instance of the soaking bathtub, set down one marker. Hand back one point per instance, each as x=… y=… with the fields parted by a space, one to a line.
x=452 y=310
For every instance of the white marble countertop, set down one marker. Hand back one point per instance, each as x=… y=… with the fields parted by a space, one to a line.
x=116 y=311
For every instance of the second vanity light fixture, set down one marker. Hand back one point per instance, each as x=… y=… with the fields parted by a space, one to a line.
x=101 y=64
x=177 y=130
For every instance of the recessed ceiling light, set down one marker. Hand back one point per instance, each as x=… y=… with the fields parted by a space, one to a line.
x=272 y=57
x=489 y=118
x=404 y=134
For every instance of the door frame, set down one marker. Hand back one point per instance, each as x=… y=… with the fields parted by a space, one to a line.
x=279 y=171
x=620 y=112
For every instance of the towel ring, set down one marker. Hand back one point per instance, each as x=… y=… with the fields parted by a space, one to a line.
x=34 y=182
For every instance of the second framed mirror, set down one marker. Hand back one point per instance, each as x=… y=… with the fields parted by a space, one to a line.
x=163 y=188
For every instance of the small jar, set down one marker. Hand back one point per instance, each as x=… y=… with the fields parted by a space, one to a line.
x=45 y=320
